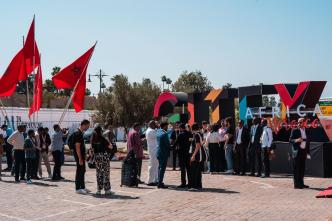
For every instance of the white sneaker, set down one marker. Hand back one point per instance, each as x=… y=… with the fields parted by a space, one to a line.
x=29 y=182
x=87 y=190
x=108 y=192
x=81 y=191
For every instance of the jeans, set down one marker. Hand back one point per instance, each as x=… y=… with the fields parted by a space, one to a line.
x=57 y=164
x=30 y=166
x=20 y=166
x=229 y=156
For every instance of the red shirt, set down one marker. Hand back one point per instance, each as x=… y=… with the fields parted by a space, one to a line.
x=135 y=143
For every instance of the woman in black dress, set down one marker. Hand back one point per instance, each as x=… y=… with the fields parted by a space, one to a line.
x=195 y=171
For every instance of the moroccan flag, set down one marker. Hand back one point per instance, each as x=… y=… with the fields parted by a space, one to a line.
x=31 y=53
x=74 y=77
x=10 y=78
x=38 y=92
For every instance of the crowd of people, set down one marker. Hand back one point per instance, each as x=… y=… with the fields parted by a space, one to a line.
x=25 y=150
x=216 y=148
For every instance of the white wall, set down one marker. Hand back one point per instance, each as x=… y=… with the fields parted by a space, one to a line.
x=45 y=117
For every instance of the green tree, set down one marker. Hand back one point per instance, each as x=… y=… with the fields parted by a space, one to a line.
x=190 y=82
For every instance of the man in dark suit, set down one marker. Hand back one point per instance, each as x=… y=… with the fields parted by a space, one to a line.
x=241 y=144
x=300 y=151
x=163 y=152
x=173 y=137
x=183 y=143
x=255 y=150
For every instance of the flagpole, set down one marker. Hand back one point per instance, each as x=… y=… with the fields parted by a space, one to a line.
x=72 y=94
x=27 y=85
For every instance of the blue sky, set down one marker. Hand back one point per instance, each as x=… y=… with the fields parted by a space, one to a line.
x=243 y=42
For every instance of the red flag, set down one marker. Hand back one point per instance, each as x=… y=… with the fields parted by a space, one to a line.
x=74 y=77
x=9 y=79
x=31 y=53
x=38 y=92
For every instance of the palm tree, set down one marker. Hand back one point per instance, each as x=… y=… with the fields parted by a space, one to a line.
x=163 y=79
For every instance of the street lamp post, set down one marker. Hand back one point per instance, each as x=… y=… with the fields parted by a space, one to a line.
x=100 y=75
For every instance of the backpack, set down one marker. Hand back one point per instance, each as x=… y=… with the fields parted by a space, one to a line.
x=71 y=141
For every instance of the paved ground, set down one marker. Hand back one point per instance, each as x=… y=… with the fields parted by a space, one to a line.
x=223 y=198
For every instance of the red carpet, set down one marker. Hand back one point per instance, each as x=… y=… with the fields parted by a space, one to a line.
x=326 y=193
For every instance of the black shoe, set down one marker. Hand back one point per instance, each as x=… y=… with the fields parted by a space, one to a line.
x=298 y=187
x=140 y=182
x=305 y=186
x=258 y=175
x=174 y=168
x=7 y=169
x=243 y=174
x=56 y=178
x=22 y=178
x=162 y=186
x=182 y=186
x=62 y=178
x=17 y=181
x=252 y=174
x=152 y=184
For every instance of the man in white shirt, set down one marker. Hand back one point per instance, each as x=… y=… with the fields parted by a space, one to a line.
x=266 y=142
x=17 y=141
x=151 y=138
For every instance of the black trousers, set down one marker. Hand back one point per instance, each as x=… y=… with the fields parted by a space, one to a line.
x=139 y=167
x=222 y=157
x=255 y=158
x=240 y=158
x=184 y=162
x=266 y=161
x=9 y=155
x=299 y=167
x=174 y=155
x=20 y=166
x=30 y=167
x=36 y=165
x=215 y=155
x=57 y=164
x=195 y=175
x=80 y=174
x=161 y=171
